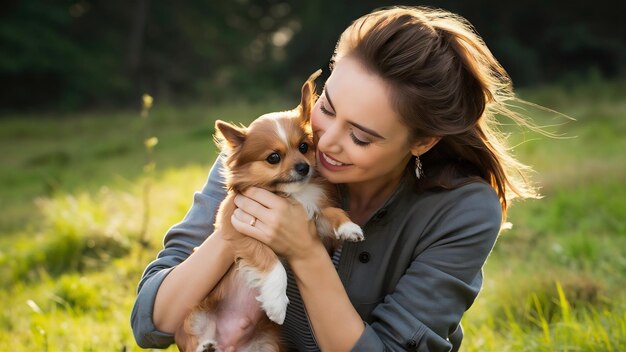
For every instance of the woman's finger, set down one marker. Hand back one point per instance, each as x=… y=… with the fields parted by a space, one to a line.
x=245 y=217
x=262 y=196
x=250 y=206
x=255 y=229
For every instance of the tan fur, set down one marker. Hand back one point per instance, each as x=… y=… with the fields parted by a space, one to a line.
x=246 y=164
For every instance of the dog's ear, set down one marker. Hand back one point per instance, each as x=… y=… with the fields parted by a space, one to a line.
x=308 y=97
x=228 y=135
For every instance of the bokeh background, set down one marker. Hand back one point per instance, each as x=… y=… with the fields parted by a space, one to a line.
x=69 y=55
x=106 y=122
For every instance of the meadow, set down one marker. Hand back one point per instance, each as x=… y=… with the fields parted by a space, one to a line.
x=84 y=204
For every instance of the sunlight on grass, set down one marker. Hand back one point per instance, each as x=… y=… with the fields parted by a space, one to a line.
x=547 y=323
x=70 y=285
x=71 y=219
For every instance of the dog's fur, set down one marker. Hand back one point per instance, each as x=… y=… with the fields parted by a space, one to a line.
x=252 y=294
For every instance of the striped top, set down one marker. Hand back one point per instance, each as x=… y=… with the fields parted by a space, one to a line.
x=296 y=330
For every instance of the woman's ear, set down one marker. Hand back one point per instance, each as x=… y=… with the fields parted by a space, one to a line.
x=424 y=145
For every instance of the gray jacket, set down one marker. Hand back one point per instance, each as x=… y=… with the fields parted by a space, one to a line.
x=418 y=270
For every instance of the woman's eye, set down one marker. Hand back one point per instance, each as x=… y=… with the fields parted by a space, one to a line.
x=273 y=158
x=358 y=141
x=303 y=148
x=324 y=110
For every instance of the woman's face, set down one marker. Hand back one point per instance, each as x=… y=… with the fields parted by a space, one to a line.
x=359 y=137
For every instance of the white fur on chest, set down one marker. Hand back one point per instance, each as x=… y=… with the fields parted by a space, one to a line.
x=310 y=196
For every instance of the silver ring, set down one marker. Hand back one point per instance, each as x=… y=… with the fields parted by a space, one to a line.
x=253 y=222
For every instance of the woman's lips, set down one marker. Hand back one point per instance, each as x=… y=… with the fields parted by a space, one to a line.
x=330 y=163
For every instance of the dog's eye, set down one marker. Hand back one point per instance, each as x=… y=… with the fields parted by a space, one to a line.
x=273 y=158
x=303 y=148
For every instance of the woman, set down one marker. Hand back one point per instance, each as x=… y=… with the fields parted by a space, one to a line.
x=403 y=128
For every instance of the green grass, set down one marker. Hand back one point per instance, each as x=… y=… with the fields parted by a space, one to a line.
x=554 y=282
x=71 y=215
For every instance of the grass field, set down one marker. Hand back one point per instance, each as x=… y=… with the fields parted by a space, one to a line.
x=72 y=209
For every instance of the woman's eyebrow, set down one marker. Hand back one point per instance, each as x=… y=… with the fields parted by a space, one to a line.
x=366 y=130
x=362 y=128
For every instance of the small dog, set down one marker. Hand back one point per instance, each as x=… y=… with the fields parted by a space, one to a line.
x=276 y=153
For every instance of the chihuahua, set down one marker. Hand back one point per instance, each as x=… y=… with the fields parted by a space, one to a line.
x=275 y=152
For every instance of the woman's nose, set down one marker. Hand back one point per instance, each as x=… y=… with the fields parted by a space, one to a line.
x=329 y=139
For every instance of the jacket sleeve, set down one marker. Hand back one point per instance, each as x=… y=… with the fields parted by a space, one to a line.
x=178 y=244
x=442 y=281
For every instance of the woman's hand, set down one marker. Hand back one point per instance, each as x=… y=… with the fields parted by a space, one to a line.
x=281 y=223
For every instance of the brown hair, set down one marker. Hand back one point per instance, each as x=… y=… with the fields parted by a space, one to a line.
x=444 y=82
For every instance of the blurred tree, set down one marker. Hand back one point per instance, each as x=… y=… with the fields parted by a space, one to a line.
x=72 y=54
x=536 y=41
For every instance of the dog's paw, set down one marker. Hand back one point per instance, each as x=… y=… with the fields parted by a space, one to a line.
x=207 y=346
x=273 y=297
x=349 y=231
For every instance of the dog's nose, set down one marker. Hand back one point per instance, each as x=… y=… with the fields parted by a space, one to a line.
x=302 y=169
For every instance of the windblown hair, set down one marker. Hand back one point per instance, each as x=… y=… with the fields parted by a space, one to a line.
x=444 y=82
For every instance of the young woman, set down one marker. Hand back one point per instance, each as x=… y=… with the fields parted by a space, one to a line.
x=403 y=127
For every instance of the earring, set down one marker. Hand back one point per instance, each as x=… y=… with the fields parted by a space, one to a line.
x=418 y=167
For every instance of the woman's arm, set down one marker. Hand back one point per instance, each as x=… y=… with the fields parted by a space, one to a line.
x=188 y=283
x=336 y=325
x=153 y=322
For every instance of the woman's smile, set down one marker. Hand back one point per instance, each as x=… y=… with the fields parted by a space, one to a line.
x=329 y=163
